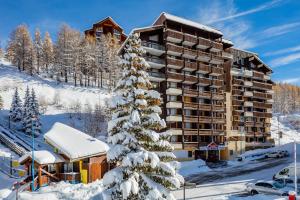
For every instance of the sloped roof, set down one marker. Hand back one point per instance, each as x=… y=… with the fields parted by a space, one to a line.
x=189 y=23
x=73 y=143
x=42 y=157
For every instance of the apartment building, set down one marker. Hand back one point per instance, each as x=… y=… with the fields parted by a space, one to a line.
x=193 y=67
x=105 y=26
x=251 y=97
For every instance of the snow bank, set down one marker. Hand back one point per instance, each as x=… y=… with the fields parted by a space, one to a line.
x=74 y=143
x=193 y=167
x=63 y=190
x=256 y=197
x=4 y=193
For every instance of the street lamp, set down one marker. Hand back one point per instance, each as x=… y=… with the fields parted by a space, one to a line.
x=32 y=165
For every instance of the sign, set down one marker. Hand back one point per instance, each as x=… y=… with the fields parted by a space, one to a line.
x=212 y=147
x=15 y=163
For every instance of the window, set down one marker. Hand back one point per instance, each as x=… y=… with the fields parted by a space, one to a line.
x=187 y=125
x=171 y=98
x=187 y=112
x=172 y=85
x=171 y=111
x=153 y=38
x=284 y=172
x=68 y=167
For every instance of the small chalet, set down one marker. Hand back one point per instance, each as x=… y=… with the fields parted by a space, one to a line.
x=76 y=157
x=105 y=26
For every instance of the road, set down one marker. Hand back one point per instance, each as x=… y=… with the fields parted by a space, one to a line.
x=230 y=181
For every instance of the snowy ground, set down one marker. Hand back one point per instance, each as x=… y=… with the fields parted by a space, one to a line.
x=46 y=89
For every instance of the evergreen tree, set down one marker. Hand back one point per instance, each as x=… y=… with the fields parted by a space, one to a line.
x=31 y=119
x=34 y=105
x=15 y=112
x=140 y=150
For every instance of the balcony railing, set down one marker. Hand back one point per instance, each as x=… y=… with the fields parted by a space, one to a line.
x=237 y=102
x=203 y=43
x=191 y=65
x=174 y=75
x=218 y=96
x=215 y=59
x=262 y=95
x=153 y=45
x=217 y=70
x=190 y=92
x=258 y=75
x=155 y=60
x=204 y=68
x=216 y=46
x=217 y=83
x=190 y=78
x=262 y=105
x=203 y=56
x=174 y=48
x=156 y=74
x=262 y=114
x=190 y=39
x=237 y=81
x=266 y=86
x=175 y=62
x=189 y=53
x=204 y=81
x=174 y=34
x=237 y=92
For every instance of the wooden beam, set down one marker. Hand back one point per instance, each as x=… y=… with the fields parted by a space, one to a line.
x=40 y=176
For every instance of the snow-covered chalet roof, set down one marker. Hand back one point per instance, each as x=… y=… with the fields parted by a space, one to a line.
x=42 y=157
x=73 y=143
x=227 y=41
x=189 y=23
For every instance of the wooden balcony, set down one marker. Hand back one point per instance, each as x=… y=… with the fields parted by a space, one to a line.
x=156 y=76
x=216 y=47
x=205 y=94
x=191 y=118
x=174 y=63
x=218 y=120
x=203 y=56
x=174 y=36
x=203 y=106
x=174 y=49
x=190 y=92
x=260 y=85
x=215 y=71
x=73 y=177
x=237 y=102
x=156 y=63
x=227 y=53
x=258 y=75
x=237 y=82
x=204 y=81
x=190 y=66
x=203 y=43
x=262 y=95
x=215 y=59
x=237 y=92
x=217 y=83
x=191 y=105
x=262 y=105
x=218 y=108
x=189 y=40
x=153 y=48
x=189 y=53
x=174 y=77
x=190 y=79
x=204 y=69
x=218 y=96
x=262 y=114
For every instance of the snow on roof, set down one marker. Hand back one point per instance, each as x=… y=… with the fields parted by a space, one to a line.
x=227 y=41
x=73 y=143
x=190 y=23
x=43 y=157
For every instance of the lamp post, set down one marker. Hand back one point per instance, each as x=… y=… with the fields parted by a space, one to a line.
x=32 y=165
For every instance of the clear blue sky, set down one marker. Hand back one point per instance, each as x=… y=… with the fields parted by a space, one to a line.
x=271 y=27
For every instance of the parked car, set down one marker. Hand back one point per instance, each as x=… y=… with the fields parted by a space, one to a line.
x=287 y=172
x=267 y=187
x=275 y=154
x=285 y=153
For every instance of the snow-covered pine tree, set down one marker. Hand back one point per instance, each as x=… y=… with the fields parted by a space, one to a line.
x=15 y=112
x=140 y=151
x=30 y=120
x=34 y=105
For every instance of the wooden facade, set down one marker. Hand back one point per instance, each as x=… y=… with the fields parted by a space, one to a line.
x=106 y=26
x=192 y=67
